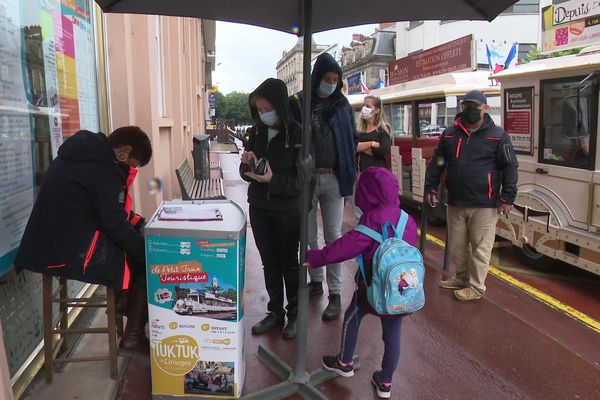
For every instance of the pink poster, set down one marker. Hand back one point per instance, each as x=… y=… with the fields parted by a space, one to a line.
x=63 y=32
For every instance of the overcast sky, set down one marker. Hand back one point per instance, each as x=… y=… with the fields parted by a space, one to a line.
x=248 y=55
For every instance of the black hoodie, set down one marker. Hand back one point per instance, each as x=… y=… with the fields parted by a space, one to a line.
x=340 y=118
x=84 y=192
x=282 y=152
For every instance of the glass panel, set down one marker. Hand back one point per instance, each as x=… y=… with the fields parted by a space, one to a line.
x=495 y=109
x=47 y=93
x=558 y=148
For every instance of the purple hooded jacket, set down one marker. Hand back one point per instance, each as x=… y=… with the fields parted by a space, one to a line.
x=377 y=197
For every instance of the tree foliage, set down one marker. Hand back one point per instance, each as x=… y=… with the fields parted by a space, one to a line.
x=232 y=109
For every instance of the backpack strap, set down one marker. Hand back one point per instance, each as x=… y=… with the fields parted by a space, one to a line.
x=365 y=230
x=401 y=224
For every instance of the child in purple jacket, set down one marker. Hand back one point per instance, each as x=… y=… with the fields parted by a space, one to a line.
x=377 y=197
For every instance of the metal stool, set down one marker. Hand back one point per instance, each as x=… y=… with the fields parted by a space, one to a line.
x=61 y=328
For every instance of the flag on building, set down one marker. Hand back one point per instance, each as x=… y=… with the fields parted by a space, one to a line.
x=364 y=87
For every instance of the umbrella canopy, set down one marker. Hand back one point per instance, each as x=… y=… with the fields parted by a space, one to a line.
x=287 y=15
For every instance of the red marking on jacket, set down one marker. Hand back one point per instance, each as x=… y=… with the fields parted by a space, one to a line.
x=56 y=266
x=90 y=252
x=458 y=147
x=490 y=186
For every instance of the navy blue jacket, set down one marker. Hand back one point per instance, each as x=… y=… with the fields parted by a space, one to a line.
x=481 y=166
x=341 y=122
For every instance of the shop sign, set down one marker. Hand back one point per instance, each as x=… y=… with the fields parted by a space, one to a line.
x=571 y=24
x=518 y=118
x=448 y=57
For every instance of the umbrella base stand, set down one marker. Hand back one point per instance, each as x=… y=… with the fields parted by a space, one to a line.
x=304 y=387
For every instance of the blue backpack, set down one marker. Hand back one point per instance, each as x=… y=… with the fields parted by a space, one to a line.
x=398 y=271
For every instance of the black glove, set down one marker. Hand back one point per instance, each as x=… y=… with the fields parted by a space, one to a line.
x=137 y=221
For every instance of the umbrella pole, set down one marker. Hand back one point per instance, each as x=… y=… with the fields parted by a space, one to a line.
x=299 y=380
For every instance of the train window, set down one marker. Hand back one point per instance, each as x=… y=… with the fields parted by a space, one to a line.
x=400 y=117
x=555 y=146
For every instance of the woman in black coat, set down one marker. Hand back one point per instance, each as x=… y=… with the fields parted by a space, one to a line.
x=270 y=165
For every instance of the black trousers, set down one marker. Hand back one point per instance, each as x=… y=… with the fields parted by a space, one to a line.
x=276 y=233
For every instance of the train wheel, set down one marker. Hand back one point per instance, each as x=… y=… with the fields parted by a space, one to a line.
x=531 y=253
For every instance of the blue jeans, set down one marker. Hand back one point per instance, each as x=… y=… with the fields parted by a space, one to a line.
x=327 y=195
x=392 y=328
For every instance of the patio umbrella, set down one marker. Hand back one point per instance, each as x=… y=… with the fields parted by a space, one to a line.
x=302 y=18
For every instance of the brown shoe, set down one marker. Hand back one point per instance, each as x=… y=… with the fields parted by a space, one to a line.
x=467 y=294
x=453 y=284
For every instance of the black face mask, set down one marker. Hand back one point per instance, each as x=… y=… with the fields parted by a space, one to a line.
x=471 y=115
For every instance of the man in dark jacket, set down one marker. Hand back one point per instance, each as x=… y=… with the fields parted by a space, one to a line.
x=333 y=142
x=481 y=181
x=82 y=226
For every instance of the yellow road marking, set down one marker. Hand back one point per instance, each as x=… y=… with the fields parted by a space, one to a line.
x=536 y=293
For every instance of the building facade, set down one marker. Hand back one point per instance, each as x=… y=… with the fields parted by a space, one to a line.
x=369 y=56
x=65 y=66
x=498 y=35
x=289 y=67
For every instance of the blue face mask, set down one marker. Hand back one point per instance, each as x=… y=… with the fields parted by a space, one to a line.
x=326 y=89
x=270 y=118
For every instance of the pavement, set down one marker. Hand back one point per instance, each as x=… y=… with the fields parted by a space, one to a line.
x=508 y=345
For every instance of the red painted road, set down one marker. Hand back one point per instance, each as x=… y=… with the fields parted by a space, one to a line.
x=505 y=346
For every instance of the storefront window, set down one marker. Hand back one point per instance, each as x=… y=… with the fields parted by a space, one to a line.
x=557 y=146
x=48 y=91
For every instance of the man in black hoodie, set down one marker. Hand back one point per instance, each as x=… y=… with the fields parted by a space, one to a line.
x=481 y=181
x=82 y=226
x=274 y=198
x=333 y=143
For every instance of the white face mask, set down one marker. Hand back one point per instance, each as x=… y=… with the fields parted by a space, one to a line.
x=270 y=118
x=326 y=89
x=366 y=113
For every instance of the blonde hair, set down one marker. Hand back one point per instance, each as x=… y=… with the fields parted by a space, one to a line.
x=379 y=119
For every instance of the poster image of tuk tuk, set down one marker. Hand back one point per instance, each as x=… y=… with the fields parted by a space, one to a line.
x=212 y=301
x=210 y=378
x=194 y=277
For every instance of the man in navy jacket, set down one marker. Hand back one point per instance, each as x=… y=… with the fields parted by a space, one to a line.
x=481 y=181
x=333 y=144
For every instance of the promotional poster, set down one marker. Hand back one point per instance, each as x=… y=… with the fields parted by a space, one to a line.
x=195 y=300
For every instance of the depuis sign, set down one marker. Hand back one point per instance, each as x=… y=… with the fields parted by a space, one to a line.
x=574 y=10
x=571 y=24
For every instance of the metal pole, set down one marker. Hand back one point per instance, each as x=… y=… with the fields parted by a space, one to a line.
x=446 y=248
x=422 y=237
x=300 y=373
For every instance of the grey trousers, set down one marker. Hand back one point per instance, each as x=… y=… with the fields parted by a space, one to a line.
x=327 y=196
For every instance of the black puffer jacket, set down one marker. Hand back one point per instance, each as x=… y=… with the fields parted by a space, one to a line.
x=482 y=166
x=282 y=152
x=78 y=227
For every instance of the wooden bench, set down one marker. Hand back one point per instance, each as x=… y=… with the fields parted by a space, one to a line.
x=194 y=189
x=216 y=165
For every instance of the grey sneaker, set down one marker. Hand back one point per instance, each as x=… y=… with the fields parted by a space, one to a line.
x=334 y=308
x=316 y=289
x=453 y=284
